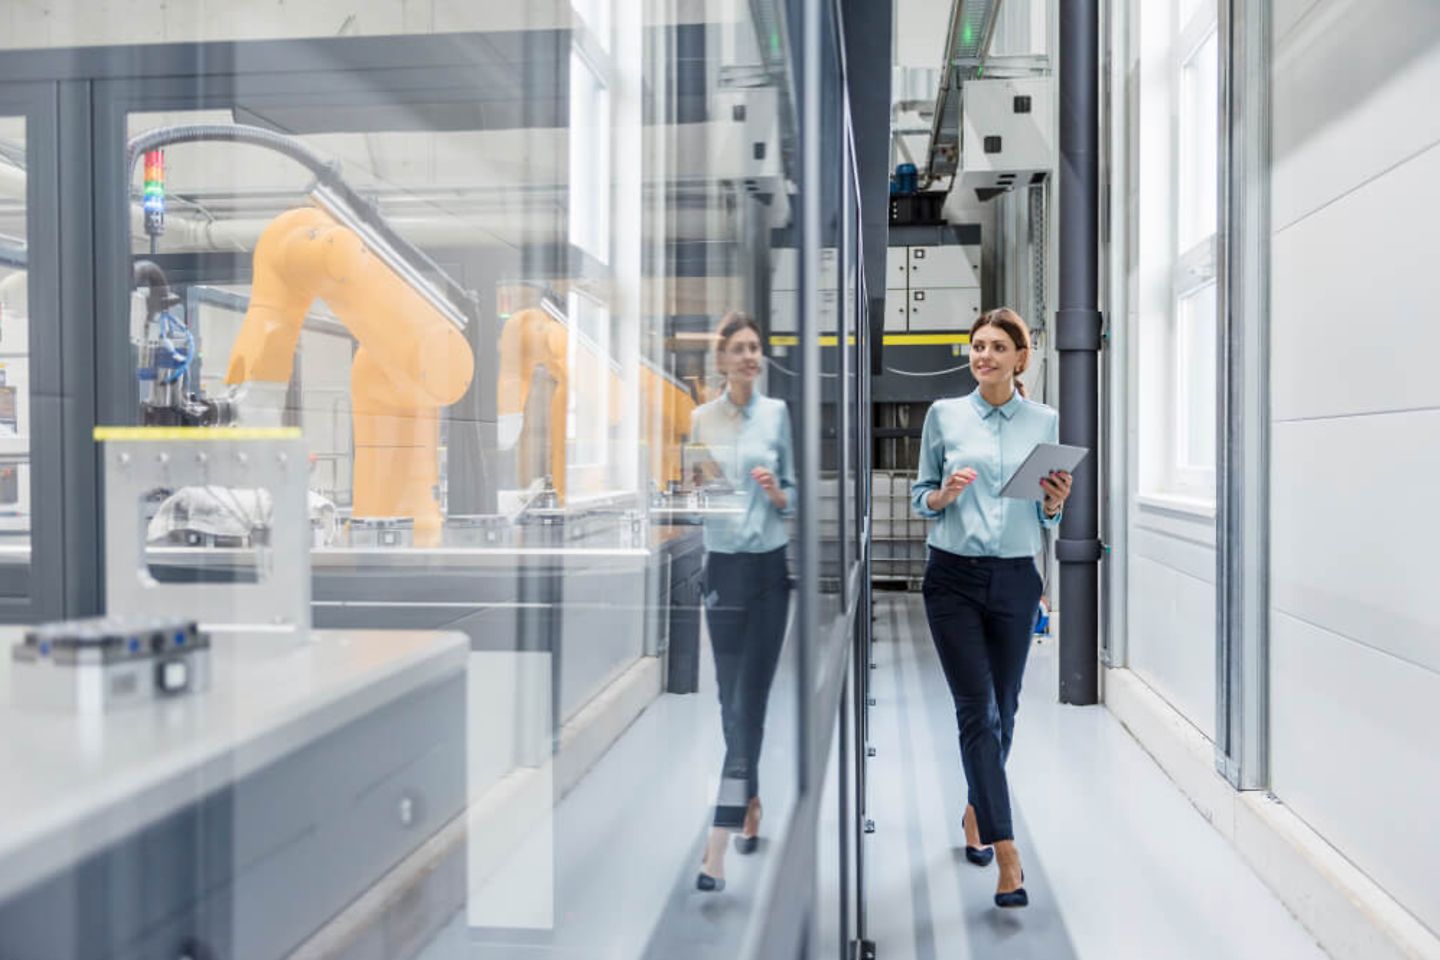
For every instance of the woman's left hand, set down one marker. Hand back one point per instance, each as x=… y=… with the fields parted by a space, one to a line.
x=1057 y=491
x=770 y=485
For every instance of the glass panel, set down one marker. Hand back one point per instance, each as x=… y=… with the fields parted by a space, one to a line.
x=552 y=667
x=1199 y=132
x=833 y=186
x=1187 y=9
x=1196 y=361
x=851 y=312
x=85 y=23
x=14 y=347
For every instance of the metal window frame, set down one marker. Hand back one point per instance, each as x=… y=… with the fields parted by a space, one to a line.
x=37 y=590
x=1242 y=656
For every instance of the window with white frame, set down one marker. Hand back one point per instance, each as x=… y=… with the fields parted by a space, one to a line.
x=592 y=378
x=590 y=145
x=1193 y=303
x=1178 y=189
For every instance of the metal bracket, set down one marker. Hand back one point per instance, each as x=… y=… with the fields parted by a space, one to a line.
x=140 y=460
x=1078 y=551
x=1079 y=329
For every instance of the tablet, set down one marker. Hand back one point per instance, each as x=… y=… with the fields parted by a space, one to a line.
x=1024 y=483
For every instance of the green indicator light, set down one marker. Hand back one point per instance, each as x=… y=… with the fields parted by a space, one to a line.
x=969 y=35
x=775 y=42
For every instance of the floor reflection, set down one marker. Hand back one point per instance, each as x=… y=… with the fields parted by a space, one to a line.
x=610 y=871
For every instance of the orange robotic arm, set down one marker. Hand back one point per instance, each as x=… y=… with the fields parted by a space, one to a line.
x=669 y=407
x=534 y=340
x=411 y=361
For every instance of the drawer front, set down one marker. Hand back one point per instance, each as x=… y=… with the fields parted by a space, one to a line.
x=783 y=312
x=944 y=310
x=897 y=311
x=897 y=268
x=947 y=266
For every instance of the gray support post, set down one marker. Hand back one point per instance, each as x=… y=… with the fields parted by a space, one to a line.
x=1077 y=337
x=84 y=181
x=1242 y=476
x=867 y=38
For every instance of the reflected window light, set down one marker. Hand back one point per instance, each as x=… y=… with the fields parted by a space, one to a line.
x=590 y=140
x=597 y=16
x=589 y=405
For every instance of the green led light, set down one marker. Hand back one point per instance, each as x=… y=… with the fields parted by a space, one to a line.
x=969 y=35
x=775 y=42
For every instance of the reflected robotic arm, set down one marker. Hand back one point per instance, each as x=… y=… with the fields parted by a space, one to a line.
x=536 y=342
x=412 y=359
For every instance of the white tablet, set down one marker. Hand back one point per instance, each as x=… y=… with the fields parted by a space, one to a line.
x=1046 y=458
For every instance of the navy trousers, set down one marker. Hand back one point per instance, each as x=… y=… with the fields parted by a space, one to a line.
x=982 y=618
x=747 y=601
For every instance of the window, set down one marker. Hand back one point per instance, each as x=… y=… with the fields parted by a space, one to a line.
x=590 y=143
x=1199 y=132
x=1193 y=304
x=591 y=397
x=1195 y=426
x=1178 y=204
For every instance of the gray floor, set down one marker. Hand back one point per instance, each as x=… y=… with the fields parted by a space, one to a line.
x=1117 y=863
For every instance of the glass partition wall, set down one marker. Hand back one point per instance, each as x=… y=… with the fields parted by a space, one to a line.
x=501 y=313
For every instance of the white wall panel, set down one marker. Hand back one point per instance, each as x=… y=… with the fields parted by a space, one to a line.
x=1172 y=637
x=1356 y=736
x=1190 y=557
x=1355 y=87
x=1287 y=14
x=1355 y=293
x=1354 y=529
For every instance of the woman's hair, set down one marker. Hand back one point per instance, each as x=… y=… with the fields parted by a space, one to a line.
x=1011 y=323
x=731 y=324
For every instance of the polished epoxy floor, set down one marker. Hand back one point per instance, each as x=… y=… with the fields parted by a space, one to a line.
x=1118 y=864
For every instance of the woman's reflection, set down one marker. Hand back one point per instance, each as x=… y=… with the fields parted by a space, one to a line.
x=749 y=471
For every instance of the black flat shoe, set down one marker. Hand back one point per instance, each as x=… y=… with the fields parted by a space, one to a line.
x=746 y=845
x=980 y=856
x=1014 y=898
x=710 y=884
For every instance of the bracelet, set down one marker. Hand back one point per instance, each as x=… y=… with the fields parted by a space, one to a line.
x=1052 y=513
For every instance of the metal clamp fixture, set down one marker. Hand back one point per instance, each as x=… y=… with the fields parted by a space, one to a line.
x=140 y=461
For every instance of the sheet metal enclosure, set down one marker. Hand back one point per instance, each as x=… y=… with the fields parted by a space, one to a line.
x=139 y=461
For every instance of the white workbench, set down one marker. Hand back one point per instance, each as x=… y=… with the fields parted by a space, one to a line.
x=72 y=785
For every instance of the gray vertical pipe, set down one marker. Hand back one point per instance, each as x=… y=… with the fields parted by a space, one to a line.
x=1077 y=337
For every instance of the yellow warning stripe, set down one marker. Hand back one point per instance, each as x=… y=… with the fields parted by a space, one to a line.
x=103 y=434
x=891 y=340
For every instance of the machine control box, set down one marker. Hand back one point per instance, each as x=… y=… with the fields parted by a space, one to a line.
x=103 y=663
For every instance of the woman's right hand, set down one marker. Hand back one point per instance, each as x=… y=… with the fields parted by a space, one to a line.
x=953 y=486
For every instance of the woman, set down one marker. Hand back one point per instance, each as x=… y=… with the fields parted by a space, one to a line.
x=981 y=586
x=747 y=592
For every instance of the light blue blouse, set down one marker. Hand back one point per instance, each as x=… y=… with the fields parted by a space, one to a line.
x=968 y=432
x=740 y=439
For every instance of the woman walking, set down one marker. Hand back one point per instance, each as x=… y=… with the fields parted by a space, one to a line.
x=747 y=591
x=981 y=586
